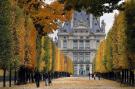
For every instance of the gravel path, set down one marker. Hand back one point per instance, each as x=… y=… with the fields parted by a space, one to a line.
x=75 y=83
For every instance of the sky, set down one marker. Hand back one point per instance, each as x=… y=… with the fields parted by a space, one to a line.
x=107 y=17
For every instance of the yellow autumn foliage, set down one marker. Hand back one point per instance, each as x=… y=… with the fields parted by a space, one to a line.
x=100 y=66
x=112 y=54
x=60 y=63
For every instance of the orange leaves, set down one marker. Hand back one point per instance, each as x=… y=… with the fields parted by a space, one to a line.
x=59 y=13
x=44 y=14
x=50 y=15
x=26 y=42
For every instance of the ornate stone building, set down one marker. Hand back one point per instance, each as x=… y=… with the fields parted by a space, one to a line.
x=79 y=39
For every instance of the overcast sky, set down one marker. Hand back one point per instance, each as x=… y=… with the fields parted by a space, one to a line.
x=108 y=18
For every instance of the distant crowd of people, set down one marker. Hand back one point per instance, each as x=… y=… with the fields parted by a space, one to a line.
x=93 y=75
x=48 y=81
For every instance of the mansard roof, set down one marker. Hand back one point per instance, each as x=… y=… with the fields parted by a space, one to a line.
x=67 y=26
x=82 y=20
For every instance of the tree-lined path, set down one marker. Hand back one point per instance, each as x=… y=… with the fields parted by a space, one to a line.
x=26 y=48
x=75 y=83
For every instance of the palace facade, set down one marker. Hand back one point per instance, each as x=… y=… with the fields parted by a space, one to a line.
x=79 y=39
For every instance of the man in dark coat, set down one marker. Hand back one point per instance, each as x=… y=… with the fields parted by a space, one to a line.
x=37 y=78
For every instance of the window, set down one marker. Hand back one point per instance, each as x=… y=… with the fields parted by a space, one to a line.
x=87 y=37
x=93 y=18
x=97 y=41
x=64 y=30
x=64 y=44
x=87 y=44
x=87 y=67
x=81 y=58
x=81 y=45
x=81 y=37
x=87 y=57
x=75 y=44
x=97 y=30
x=75 y=57
x=75 y=69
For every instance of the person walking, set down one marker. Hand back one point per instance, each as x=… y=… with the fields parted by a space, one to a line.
x=99 y=76
x=37 y=77
x=45 y=75
x=49 y=79
x=93 y=76
x=89 y=75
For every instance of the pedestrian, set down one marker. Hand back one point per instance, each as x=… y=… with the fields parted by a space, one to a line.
x=89 y=75
x=94 y=76
x=37 y=77
x=45 y=75
x=49 y=78
x=99 y=76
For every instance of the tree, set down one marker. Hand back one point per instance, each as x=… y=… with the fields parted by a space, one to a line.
x=130 y=21
x=45 y=16
x=53 y=56
x=5 y=36
x=100 y=61
x=47 y=54
x=96 y=7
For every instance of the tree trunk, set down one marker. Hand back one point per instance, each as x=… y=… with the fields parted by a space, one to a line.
x=10 y=77
x=15 y=77
x=4 y=78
